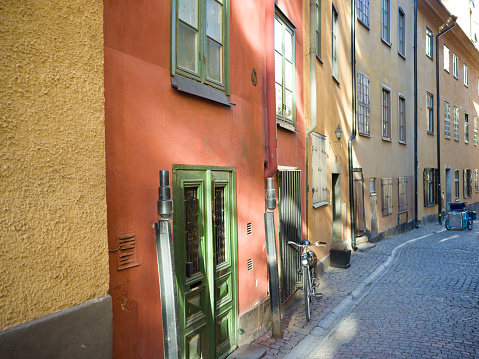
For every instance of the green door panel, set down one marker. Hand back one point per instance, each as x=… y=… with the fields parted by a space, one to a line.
x=205 y=258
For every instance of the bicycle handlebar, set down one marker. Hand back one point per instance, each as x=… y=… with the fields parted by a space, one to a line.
x=316 y=244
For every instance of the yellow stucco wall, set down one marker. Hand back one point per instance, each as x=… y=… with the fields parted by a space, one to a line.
x=53 y=243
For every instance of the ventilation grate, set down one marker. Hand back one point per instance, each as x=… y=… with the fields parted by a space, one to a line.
x=249 y=230
x=127 y=251
x=250 y=264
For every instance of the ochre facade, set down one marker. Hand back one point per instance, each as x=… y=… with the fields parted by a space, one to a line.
x=53 y=247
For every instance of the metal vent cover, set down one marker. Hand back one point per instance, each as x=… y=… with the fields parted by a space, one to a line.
x=126 y=251
x=249 y=229
x=250 y=264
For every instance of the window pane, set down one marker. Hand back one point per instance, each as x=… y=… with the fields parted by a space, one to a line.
x=278 y=68
x=187 y=47
x=188 y=12
x=288 y=46
x=278 y=30
x=214 y=54
x=192 y=237
x=288 y=75
x=220 y=225
x=214 y=20
x=279 y=99
x=289 y=105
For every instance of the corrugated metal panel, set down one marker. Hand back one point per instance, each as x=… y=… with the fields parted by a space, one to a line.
x=290 y=229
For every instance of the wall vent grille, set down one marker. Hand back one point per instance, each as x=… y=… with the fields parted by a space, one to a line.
x=249 y=229
x=250 y=264
x=127 y=251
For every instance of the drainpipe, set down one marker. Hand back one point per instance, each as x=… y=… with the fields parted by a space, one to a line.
x=353 y=136
x=415 y=115
x=271 y=164
x=312 y=89
x=439 y=197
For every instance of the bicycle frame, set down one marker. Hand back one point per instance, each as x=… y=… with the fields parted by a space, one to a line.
x=307 y=270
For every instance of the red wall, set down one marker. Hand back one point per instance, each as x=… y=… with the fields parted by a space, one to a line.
x=150 y=126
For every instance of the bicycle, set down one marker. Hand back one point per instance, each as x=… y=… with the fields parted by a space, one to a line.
x=307 y=270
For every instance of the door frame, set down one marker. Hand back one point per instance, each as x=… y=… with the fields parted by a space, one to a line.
x=208 y=183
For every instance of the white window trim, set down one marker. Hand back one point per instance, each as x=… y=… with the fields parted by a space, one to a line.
x=448 y=58
x=401 y=96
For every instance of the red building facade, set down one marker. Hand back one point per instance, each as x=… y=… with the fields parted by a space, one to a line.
x=210 y=90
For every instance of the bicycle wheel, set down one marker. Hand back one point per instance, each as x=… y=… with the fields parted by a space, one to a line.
x=307 y=294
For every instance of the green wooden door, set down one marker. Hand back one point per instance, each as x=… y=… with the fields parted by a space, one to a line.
x=205 y=259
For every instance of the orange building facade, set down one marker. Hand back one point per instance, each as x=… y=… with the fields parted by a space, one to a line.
x=212 y=92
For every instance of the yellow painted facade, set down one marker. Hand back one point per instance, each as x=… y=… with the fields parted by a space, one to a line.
x=456 y=153
x=53 y=244
x=332 y=104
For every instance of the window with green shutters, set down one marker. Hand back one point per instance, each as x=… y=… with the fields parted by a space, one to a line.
x=284 y=70
x=200 y=42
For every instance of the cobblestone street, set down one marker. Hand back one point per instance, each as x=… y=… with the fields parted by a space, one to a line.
x=411 y=296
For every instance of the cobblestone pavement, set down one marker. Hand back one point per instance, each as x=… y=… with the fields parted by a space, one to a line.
x=415 y=295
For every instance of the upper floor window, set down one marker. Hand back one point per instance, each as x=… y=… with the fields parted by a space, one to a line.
x=334 y=43
x=402 y=119
x=319 y=51
x=447 y=119
x=466 y=75
x=386 y=21
x=475 y=131
x=476 y=182
x=466 y=128
x=430 y=113
x=284 y=70
x=429 y=43
x=363 y=103
x=455 y=65
x=456 y=123
x=386 y=113
x=446 y=58
x=363 y=11
x=402 y=32
x=200 y=47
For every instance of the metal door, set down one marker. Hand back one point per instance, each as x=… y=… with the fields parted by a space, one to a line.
x=289 y=205
x=205 y=260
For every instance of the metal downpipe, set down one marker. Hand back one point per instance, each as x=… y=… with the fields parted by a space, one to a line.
x=353 y=136
x=312 y=86
x=415 y=115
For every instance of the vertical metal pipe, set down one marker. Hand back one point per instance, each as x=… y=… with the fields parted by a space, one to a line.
x=353 y=136
x=438 y=137
x=166 y=270
x=439 y=194
x=415 y=116
x=270 y=234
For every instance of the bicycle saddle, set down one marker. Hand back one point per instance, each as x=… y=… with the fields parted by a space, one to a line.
x=305 y=241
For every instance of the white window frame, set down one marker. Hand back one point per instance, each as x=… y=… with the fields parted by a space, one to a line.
x=466 y=75
x=475 y=131
x=429 y=43
x=363 y=12
x=363 y=98
x=456 y=123
x=402 y=135
x=430 y=113
x=466 y=127
x=386 y=21
x=401 y=32
x=386 y=136
x=447 y=119
x=446 y=58
x=457 y=186
x=455 y=65
x=334 y=42
x=319 y=51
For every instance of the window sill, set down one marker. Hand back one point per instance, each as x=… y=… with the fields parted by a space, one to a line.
x=191 y=87
x=403 y=56
x=430 y=205
x=402 y=142
x=337 y=81
x=447 y=71
x=386 y=42
x=466 y=85
x=320 y=204
x=364 y=134
x=286 y=126
x=456 y=77
x=364 y=24
x=387 y=139
x=456 y=139
x=430 y=57
x=430 y=133
x=447 y=137
x=319 y=58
